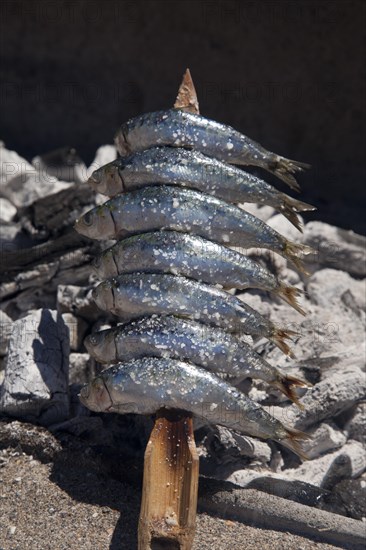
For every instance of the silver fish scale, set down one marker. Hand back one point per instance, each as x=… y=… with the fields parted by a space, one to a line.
x=142 y=385
x=191 y=168
x=186 y=210
x=182 y=129
x=183 y=254
x=139 y=294
x=170 y=336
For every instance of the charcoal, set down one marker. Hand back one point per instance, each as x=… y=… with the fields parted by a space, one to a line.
x=35 y=386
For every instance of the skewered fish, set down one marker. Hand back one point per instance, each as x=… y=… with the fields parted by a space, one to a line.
x=178 y=128
x=143 y=386
x=187 y=168
x=185 y=210
x=208 y=347
x=191 y=256
x=135 y=295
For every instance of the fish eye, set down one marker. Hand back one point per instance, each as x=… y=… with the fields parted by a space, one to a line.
x=97 y=176
x=88 y=218
x=84 y=392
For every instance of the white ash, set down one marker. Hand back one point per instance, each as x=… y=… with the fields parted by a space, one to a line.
x=257 y=394
x=77 y=330
x=81 y=368
x=63 y=163
x=234 y=444
x=11 y=166
x=321 y=293
x=27 y=187
x=356 y=425
x=2 y=369
x=284 y=227
x=345 y=463
x=324 y=332
x=264 y=213
x=77 y=300
x=105 y=154
x=35 y=386
x=255 y=301
x=7 y=210
x=23 y=183
x=291 y=277
x=324 y=472
x=325 y=438
x=331 y=396
x=336 y=248
x=5 y=331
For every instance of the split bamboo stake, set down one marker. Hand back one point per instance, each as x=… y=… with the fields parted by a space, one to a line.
x=171 y=467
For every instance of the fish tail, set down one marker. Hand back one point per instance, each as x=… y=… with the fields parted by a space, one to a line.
x=290 y=208
x=287 y=385
x=290 y=295
x=285 y=168
x=279 y=336
x=295 y=253
x=292 y=442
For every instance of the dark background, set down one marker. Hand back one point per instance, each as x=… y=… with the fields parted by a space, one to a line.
x=291 y=75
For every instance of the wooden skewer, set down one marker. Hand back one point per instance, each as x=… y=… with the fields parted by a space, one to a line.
x=171 y=467
x=187 y=96
x=169 y=495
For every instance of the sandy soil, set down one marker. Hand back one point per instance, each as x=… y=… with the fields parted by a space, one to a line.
x=72 y=504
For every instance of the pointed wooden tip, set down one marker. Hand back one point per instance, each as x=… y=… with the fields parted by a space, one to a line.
x=187 y=96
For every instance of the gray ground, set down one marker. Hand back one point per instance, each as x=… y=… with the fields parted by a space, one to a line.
x=39 y=510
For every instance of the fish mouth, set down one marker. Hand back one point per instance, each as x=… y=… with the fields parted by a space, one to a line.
x=96 y=182
x=93 y=182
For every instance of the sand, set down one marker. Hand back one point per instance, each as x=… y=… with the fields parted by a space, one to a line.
x=71 y=504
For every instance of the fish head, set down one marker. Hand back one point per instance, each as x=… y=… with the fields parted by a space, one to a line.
x=101 y=345
x=103 y=296
x=95 y=396
x=97 y=223
x=107 y=180
x=104 y=265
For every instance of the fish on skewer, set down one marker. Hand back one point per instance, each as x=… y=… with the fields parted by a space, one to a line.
x=189 y=211
x=177 y=128
x=192 y=169
x=184 y=339
x=191 y=256
x=135 y=295
x=143 y=386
